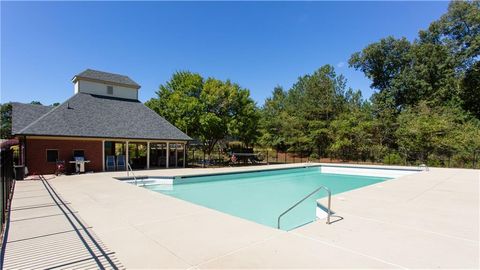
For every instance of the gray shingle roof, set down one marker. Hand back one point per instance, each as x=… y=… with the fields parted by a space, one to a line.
x=87 y=115
x=26 y=114
x=107 y=77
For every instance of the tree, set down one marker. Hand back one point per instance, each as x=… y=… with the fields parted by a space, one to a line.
x=459 y=31
x=467 y=147
x=382 y=61
x=425 y=131
x=36 y=102
x=351 y=132
x=272 y=120
x=429 y=76
x=244 y=124
x=6 y=121
x=470 y=90
x=208 y=110
x=178 y=101
x=431 y=67
x=297 y=120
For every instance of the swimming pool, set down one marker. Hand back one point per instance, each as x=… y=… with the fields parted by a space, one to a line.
x=263 y=195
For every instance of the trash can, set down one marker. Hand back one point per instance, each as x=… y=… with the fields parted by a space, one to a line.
x=19 y=172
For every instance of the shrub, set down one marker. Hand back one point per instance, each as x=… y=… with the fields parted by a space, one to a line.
x=314 y=156
x=393 y=159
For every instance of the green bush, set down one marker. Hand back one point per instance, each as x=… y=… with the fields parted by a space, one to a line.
x=393 y=159
x=434 y=162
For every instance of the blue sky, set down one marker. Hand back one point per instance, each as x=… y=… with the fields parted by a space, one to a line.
x=256 y=44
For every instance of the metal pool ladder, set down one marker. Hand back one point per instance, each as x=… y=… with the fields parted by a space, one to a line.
x=129 y=168
x=306 y=197
x=423 y=167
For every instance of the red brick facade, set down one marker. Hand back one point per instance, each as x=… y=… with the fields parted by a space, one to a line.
x=36 y=154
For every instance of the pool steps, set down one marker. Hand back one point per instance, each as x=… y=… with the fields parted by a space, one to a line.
x=151 y=181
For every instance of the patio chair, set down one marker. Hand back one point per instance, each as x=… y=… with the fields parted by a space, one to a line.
x=121 y=165
x=110 y=163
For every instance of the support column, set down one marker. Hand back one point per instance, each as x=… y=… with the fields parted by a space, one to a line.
x=176 y=156
x=126 y=156
x=103 y=155
x=148 y=155
x=168 y=154
x=184 y=153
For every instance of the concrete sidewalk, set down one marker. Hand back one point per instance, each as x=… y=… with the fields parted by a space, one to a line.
x=44 y=232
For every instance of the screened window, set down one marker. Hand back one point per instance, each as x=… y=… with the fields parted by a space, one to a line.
x=52 y=155
x=78 y=153
x=110 y=90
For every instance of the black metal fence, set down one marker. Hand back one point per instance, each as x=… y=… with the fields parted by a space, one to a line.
x=7 y=184
x=220 y=158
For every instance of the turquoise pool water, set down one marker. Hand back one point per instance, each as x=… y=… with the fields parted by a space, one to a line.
x=262 y=196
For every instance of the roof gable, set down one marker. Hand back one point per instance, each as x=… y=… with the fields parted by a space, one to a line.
x=102 y=76
x=87 y=115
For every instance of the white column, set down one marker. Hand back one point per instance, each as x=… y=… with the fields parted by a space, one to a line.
x=176 y=156
x=168 y=154
x=126 y=156
x=184 y=153
x=103 y=155
x=148 y=155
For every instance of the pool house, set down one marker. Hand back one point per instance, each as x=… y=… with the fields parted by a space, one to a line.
x=103 y=123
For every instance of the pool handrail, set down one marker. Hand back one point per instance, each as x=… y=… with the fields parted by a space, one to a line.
x=129 y=168
x=306 y=197
x=423 y=167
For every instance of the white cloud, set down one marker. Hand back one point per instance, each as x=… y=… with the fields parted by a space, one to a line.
x=340 y=64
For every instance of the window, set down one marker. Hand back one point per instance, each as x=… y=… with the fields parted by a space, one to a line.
x=78 y=153
x=52 y=155
x=110 y=90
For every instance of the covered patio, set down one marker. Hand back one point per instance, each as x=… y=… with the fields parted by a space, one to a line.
x=142 y=155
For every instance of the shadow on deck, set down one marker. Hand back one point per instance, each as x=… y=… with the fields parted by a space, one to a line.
x=45 y=233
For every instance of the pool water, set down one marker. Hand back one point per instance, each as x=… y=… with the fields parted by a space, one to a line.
x=262 y=196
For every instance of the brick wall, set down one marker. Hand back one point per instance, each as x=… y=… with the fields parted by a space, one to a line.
x=36 y=154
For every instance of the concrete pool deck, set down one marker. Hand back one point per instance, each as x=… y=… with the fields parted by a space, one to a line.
x=424 y=220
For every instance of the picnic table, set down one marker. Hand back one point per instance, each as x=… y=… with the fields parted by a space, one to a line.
x=245 y=157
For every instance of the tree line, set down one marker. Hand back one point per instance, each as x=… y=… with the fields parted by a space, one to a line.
x=425 y=109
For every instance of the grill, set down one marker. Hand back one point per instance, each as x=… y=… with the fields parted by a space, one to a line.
x=79 y=164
